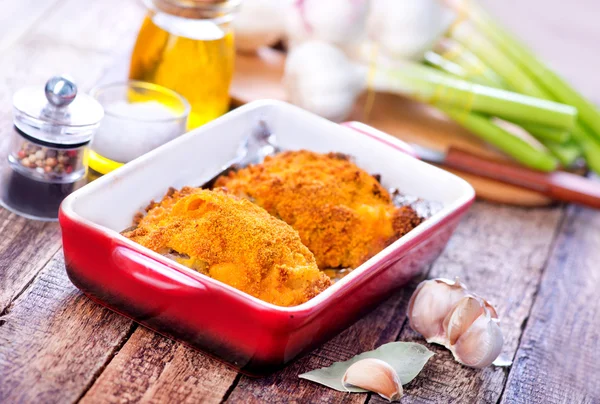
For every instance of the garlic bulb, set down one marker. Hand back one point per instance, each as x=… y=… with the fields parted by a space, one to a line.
x=446 y=313
x=406 y=29
x=259 y=23
x=430 y=304
x=374 y=375
x=335 y=21
x=319 y=78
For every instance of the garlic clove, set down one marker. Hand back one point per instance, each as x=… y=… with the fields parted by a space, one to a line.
x=480 y=344
x=374 y=375
x=462 y=316
x=430 y=304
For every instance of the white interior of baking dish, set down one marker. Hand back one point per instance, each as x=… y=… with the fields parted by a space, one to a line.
x=111 y=202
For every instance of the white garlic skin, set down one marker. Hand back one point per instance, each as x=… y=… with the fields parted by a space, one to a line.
x=406 y=29
x=430 y=304
x=259 y=23
x=320 y=78
x=444 y=312
x=374 y=375
x=338 y=22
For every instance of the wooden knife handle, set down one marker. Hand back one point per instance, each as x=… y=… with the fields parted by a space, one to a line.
x=558 y=185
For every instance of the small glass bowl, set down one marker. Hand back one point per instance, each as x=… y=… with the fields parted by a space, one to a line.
x=138 y=117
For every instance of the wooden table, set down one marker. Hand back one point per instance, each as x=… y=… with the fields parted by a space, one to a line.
x=539 y=266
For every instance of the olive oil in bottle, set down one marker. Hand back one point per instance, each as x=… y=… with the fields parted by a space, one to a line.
x=191 y=55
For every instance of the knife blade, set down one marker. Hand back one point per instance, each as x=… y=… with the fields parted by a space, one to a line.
x=558 y=185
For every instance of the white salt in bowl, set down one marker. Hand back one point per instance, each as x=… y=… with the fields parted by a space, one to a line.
x=138 y=117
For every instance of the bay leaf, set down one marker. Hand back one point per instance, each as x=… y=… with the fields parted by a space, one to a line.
x=407 y=359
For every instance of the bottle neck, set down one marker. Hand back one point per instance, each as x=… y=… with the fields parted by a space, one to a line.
x=196 y=9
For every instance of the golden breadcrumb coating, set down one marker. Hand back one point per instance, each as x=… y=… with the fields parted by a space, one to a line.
x=343 y=215
x=234 y=241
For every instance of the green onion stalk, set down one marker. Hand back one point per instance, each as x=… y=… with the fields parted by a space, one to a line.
x=523 y=72
x=416 y=80
x=405 y=79
x=552 y=138
x=438 y=61
x=517 y=80
x=544 y=132
x=552 y=82
x=439 y=88
x=512 y=74
x=567 y=153
x=521 y=150
x=590 y=146
x=474 y=69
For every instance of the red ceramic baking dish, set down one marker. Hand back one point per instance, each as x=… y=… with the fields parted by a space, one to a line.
x=253 y=336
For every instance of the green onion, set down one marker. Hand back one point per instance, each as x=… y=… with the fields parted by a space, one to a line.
x=435 y=60
x=567 y=153
x=435 y=87
x=515 y=77
x=542 y=82
x=473 y=67
x=554 y=84
x=518 y=148
x=551 y=138
x=538 y=131
x=544 y=132
x=590 y=147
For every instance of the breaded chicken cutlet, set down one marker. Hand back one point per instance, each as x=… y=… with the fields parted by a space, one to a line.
x=343 y=214
x=234 y=241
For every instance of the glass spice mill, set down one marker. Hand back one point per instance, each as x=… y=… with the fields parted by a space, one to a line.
x=47 y=159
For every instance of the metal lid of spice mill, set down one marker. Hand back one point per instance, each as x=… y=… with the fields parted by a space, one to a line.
x=56 y=115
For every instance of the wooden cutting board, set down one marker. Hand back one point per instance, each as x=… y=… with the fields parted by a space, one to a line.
x=259 y=76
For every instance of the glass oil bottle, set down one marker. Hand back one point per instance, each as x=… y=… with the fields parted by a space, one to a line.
x=188 y=46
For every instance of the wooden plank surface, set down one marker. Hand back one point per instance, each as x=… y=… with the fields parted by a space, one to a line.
x=57 y=346
x=152 y=368
x=558 y=358
x=25 y=248
x=54 y=341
